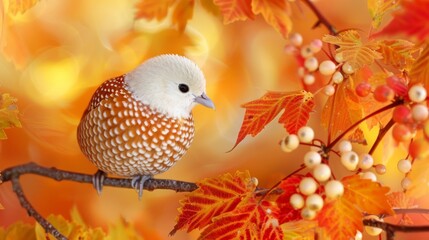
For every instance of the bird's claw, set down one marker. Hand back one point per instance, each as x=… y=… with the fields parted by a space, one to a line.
x=138 y=183
x=97 y=181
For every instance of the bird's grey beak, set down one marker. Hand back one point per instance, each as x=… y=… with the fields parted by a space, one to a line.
x=205 y=101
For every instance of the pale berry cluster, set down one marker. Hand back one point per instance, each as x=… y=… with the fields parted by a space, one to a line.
x=291 y=142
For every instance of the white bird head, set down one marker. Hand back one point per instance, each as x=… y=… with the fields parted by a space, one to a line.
x=171 y=84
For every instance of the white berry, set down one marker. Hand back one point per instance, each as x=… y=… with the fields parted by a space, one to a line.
x=309 y=79
x=349 y=160
x=339 y=58
x=337 y=78
x=322 y=172
x=312 y=158
x=345 y=146
x=373 y=231
x=306 y=51
x=329 y=90
x=334 y=189
x=358 y=235
x=316 y=45
x=311 y=64
x=290 y=143
x=297 y=201
x=365 y=161
x=347 y=68
x=369 y=175
x=306 y=134
x=296 y=39
x=406 y=183
x=308 y=186
x=417 y=93
x=420 y=112
x=404 y=165
x=308 y=214
x=314 y=202
x=327 y=68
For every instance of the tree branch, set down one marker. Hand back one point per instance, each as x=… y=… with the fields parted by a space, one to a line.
x=322 y=19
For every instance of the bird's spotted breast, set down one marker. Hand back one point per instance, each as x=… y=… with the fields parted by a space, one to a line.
x=121 y=135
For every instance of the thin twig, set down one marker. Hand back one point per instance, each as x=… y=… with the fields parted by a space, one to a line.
x=380 y=135
x=321 y=18
x=16 y=186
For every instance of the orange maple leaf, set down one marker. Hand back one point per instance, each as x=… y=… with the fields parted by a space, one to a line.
x=260 y=112
x=411 y=20
x=234 y=10
x=276 y=13
x=248 y=221
x=342 y=109
x=397 y=53
x=151 y=9
x=379 y=8
x=420 y=70
x=341 y=218
x=213 y=197
x=289 y=187
x=358 y=137
x=182 y=13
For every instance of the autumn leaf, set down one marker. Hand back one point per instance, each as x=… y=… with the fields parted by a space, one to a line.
x=276 y=13
x=397 y=53
x=287 y=212
x=18 y=231
x=401 y=200
x=235 y=10
x=153 y=9
x=342 y=109
x=420 y=70
x=411 y=20
x=358 y=137
x=213 y=197
x=379 y=8
x=302 y=229
x=20 y=6
x=260 y=112
x=8 y=114
x=419 y=177
x=248 y=222
x=353 y=50
x=182 y=13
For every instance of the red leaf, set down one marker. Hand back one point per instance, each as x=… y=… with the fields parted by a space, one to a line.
x=234 y=10
x=214 y=196
x=260 y=112
x=287 y=212
x=412 y=20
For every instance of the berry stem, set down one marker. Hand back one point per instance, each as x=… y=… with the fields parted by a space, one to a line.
x=322 y=19
x=385 y=108
x=380 y=135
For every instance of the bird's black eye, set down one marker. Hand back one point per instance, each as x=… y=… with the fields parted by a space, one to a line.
x=183 y=88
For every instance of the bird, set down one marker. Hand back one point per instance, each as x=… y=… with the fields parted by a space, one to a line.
x=140 y=124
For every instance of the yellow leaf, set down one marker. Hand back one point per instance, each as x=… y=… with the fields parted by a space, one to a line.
x=123 y=230
x=302 y=229
x=18 y=231
x=153 y=9
x=379 y=8
x=234 y=10
x=353 y=50
x=397 y=53
x=20 y=6
x=276 y=13
x=8 y=114
x=419 y=178
x=420 y=70
x=182 y=13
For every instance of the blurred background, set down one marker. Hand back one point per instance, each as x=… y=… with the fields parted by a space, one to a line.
x=56 y=54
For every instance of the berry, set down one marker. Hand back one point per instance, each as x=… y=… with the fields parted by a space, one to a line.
x=309 y=79
x=308 y=186
x=417 y=93
x=296 y=39
x=404 y=165
x=402 y=114
x=380 y=169
x=290 y=143
x=401 y=132
x=373 y=231
x=365 y=161
x=420 y=112
x=306 y=51
x=406 y=183
x=337 y=78
x=398 y=85
x=383 y=93
x=349 y=160
x=311 y=64
x=314 y=202
x=316 y=45
x=312 y=158
x=363 y=89
x=322 y=172
x=308 y=214
x=297 y=201
x=334 y=189
x=329 y=90
x=358 y=235
x=327 y=67
x=339 y=58
x=369 y=175
x=345 y=146
x=306 y=134
x=347 y=68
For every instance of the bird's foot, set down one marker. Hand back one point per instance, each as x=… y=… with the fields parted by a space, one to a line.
x=97 y=181
x=138 y=183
